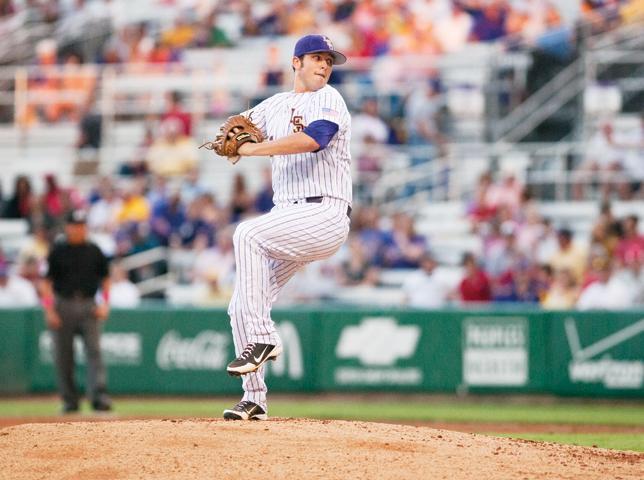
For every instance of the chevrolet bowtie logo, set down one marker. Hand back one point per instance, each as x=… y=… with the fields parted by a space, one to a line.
x=378 y=341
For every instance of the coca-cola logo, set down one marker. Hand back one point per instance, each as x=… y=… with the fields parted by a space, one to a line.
x=206 y=351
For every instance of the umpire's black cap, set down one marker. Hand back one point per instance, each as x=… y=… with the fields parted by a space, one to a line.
x=316 y=44
x=77 y=217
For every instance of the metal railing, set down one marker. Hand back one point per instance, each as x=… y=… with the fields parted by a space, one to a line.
x=158 y=283
x=541 y=105
x=620 y=46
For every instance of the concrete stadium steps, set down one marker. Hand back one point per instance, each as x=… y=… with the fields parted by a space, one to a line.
x=580 y=216
x=36 y=152
x=217 y=174
x=449 y=232
x=58 y=134
x=13 y=233
x=36 y=162
x=395 y=277
x=587 y=210
x=443 y=219
x=50 y=149
x=367 y=295
x=448 y=229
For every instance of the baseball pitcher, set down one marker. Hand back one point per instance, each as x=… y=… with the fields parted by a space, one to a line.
x=306 y=132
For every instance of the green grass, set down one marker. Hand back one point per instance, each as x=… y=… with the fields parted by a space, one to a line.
x=466 y=412
x=617 y=441
x=364 y=409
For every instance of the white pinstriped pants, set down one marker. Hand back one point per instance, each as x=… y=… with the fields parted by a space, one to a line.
x=269 y=250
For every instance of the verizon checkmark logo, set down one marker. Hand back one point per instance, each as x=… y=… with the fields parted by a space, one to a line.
x=594 y=363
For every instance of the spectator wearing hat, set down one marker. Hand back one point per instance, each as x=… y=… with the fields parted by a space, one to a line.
x=76 y=270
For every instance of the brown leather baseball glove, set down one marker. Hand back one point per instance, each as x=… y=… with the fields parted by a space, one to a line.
x=235 y=131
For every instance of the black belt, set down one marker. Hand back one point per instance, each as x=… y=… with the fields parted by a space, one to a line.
x=319 y=200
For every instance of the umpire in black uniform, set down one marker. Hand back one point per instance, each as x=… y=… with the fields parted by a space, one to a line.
x=77 y=268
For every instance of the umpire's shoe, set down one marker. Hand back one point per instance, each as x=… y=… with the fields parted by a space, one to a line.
x=102 y=406
x=254 y=356
x=245 y=410
x=69 y=408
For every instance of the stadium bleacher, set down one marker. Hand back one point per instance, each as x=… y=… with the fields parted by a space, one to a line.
x=480 y=87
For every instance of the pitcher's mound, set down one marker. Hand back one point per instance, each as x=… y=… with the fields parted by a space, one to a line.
x=290 y=449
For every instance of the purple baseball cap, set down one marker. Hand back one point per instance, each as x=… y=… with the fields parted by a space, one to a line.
x=315 y=44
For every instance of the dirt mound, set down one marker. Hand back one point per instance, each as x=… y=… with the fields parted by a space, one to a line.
x=289 y=448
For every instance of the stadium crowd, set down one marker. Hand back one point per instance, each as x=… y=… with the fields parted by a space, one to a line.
x=523 y=258
x=156 y=199
x=366 y=28
x=156 y=34
x=159 y=30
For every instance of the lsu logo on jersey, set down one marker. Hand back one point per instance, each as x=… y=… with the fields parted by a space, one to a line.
x=297 y=122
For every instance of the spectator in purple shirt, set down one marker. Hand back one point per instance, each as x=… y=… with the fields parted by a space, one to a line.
x=489 y=22
x=168 y=214
x=403 y=246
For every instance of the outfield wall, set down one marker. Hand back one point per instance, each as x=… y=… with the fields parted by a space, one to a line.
x=185 y=351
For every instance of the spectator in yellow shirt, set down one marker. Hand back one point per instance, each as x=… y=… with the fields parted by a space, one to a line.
x=182 y=34
x=173 y=154
x=632 y=11
x=563 y=292
x=568 y=255
x=135 y=207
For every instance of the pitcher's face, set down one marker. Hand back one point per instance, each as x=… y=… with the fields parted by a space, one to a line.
x=313 y=71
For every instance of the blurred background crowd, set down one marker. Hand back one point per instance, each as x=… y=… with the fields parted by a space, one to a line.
x=157 y=213
x=523 y=258
x=383 y=38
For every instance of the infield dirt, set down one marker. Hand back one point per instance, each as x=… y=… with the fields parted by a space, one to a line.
x=290 y=449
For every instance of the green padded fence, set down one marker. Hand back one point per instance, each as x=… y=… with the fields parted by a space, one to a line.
x=185 y=351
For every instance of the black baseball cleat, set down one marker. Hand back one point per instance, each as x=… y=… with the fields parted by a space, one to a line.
x=245 y=410
x=254 y=356
x=103 y=406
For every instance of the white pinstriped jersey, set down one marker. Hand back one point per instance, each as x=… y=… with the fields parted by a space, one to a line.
x=271 y=248
x=326 y=173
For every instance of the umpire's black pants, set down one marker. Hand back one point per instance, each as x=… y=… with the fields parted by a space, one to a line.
x=77 y=317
